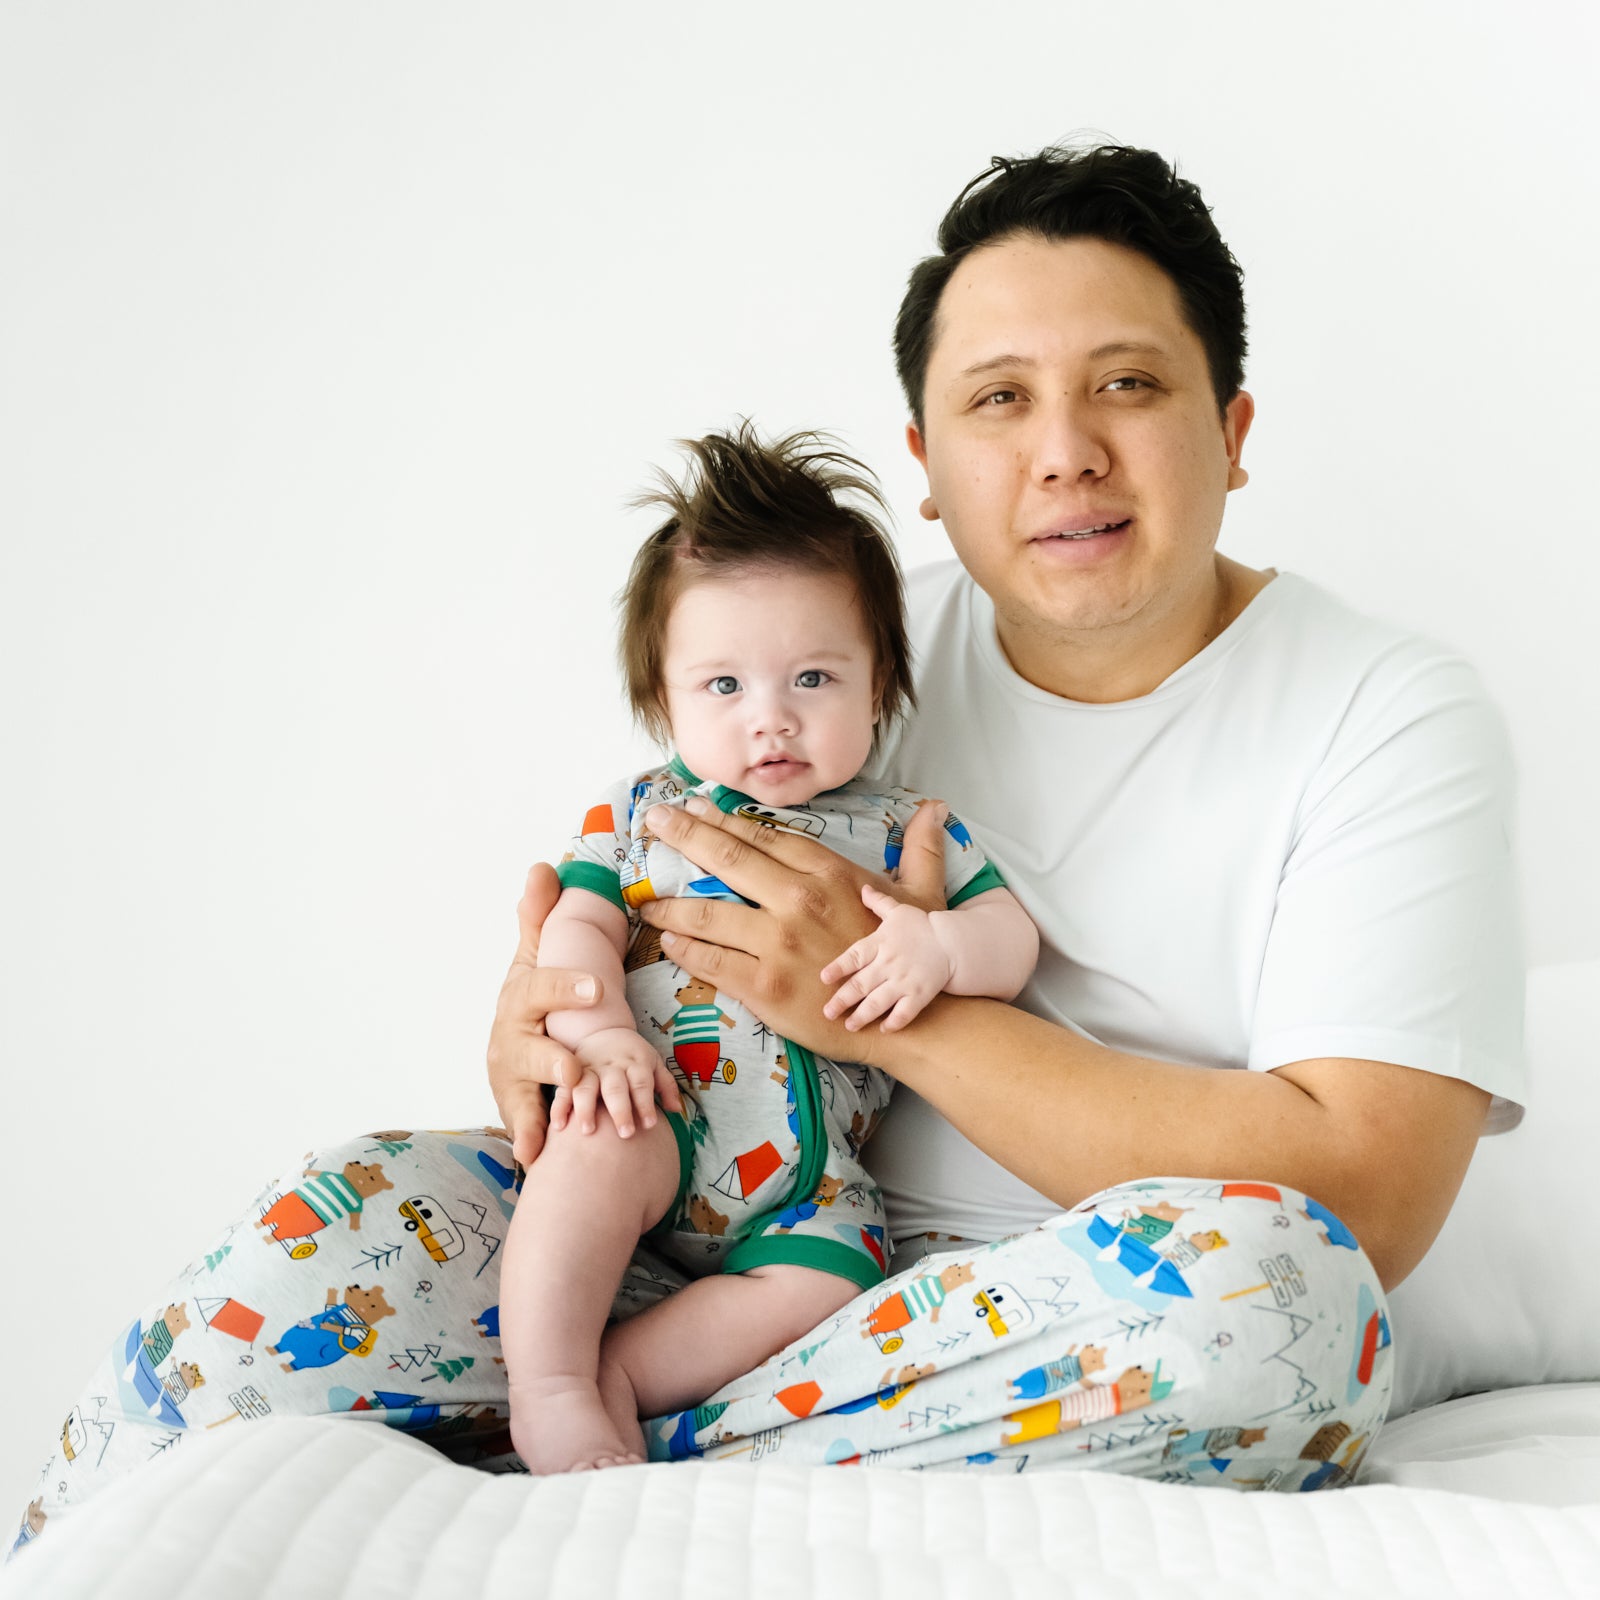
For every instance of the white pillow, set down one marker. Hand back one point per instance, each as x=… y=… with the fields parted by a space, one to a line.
x=1510 y=1293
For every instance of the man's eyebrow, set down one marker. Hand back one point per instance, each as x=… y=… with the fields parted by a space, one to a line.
x=1125 y=347
x=994 y=364
x=1101 y=352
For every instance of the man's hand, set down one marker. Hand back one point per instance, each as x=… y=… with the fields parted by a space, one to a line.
x=808 y=910
x=522 y=1056
x=897 y=970
x=624 y=1072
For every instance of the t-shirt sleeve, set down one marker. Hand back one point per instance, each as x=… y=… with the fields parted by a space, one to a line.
x=1396 y=934
x=597 y=857
x=967 y=870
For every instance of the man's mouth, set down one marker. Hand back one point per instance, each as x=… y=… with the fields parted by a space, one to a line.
x=1092 y=532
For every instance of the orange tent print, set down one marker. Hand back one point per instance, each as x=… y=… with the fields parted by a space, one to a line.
x=229 y=1316
x=745 y=1174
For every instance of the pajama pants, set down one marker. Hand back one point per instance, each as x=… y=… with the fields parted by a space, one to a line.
x=1180 y=1329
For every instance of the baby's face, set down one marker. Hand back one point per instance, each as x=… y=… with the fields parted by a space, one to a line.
x=770 y=683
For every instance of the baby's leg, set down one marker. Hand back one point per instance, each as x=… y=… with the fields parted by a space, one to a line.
x=584 y=1204
x=687 y=1346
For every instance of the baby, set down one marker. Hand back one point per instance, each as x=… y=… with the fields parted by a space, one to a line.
x=763 y=638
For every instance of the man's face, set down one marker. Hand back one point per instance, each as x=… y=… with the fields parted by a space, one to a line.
x=1066 y=392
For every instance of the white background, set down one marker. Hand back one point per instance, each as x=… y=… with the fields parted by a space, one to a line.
x=333 y=338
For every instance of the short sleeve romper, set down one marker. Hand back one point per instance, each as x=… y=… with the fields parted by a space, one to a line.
x=769 y=1147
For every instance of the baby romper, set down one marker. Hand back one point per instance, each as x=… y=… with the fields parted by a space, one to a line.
x=769 y=1144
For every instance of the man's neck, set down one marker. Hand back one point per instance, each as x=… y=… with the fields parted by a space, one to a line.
x=1103 y=665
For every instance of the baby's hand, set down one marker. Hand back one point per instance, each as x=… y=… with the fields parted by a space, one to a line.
x=897 y=970
x=623 y=1071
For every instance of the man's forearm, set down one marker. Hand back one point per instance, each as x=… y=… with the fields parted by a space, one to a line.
x=1005 y=1079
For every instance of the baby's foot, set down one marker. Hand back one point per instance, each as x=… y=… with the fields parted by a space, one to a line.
x=560 y=1425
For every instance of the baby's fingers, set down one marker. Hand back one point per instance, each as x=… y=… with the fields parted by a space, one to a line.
x=584 y=1099
x=853 y=960
x=849 y=993
x=616 y=1089
x=642 y=1087
x=560 y=1108
x=879 y=1001
x=906 y=1009
x=667 y=1090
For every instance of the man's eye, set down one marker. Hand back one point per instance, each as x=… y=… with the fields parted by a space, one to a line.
x=812 y=678
x=999 y=397
x=724 y=685
x=1137 y=382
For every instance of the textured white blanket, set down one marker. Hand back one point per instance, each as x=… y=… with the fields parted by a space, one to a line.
x=311 y=1509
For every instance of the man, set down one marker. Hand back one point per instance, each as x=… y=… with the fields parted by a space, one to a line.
x=1266 y=843
x=1273 y=839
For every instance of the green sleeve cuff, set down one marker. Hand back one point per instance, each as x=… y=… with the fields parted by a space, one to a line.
x=988 y=878
x=596 y=879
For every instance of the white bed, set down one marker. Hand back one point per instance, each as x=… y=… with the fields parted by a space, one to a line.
x=1488 y=1482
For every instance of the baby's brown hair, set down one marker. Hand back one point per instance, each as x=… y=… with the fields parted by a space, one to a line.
x=744 y=505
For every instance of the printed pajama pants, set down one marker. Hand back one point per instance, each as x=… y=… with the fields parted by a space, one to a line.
x=1179 y=1329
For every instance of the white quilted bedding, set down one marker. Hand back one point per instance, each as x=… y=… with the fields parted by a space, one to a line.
x=311 y=1509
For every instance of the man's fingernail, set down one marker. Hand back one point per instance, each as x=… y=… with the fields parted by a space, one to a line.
x=669 y=939
x=584 y=988
x=657 y=817
x=697 y=805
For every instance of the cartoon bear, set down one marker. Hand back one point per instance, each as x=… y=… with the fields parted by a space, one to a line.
x=925 y=1294
x=696 y=1043
x=342 y=1328
x=705 y=1218
x=826 y=1192
x=910 y=1373
x=1075 y=1367
x=314 y=1204
x=159 y=1336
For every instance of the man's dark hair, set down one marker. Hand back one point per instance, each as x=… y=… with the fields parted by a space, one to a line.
x=1133 y=198
x=743 y=505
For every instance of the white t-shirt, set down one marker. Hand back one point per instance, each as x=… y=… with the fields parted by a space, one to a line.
x=1297 y=846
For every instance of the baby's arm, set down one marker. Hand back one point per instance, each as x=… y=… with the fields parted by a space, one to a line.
x=588 y=934
x=988 y=945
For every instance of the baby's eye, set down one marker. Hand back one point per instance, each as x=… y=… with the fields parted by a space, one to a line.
x=812 y=678
x=724 y=685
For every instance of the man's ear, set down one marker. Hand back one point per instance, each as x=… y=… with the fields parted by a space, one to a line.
x=918 y=448
x=1239 y=413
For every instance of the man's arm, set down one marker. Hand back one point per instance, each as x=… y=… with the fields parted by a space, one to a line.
x=1382 y=1146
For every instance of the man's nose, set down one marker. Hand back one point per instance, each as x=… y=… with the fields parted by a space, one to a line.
x=1067 y=442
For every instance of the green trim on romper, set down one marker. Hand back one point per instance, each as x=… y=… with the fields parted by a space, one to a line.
x=801 y=1250
x=596 y=879
x=813 y=1135
x=680 y=1132
x=987 y=878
